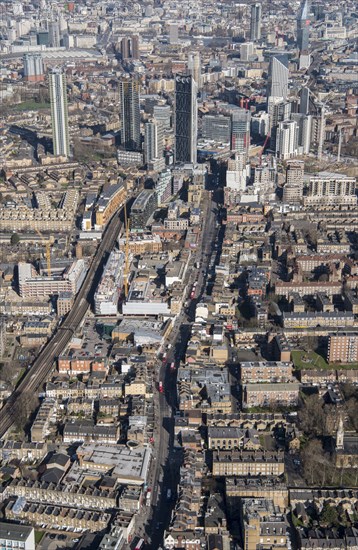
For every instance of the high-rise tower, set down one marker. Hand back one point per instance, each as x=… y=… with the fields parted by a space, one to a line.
x=255 y=22
x=33 y=67
x=54 y=34
x=186 y=119
x=194 y=67
x=240 y=131
x=153 y=140
x=278 y=77
x=303 y=27
x=129 y=89
x=59 y=112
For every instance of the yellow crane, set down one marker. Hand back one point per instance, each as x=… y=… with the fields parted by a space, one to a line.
x=126 y=252
x=48 y=252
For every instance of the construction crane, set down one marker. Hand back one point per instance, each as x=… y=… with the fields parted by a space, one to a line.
x=126 y=251
x=263 y=147
x=48 y=252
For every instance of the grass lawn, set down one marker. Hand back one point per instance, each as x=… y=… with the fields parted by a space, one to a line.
x=312 y=360
x=31 y=106
x=39 y=536
x=308 y=360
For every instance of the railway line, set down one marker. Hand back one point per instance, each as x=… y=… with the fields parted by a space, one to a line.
x=43 y=364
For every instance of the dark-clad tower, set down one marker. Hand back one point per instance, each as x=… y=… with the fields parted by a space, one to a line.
x=186 y=119
x=129 y=89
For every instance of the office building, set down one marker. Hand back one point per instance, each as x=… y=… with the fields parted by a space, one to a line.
x=130 y=47
x=303 y=27
x=186 y=115
x=54 y=36
x=247 y=50
x=287 y=139
x=194 y=67
x=255 y=23
x=278 y=77
x=59 y=112
x=343 y=348
x=129 y=90
x=217 y=128
x=13 y=535
x=43 y=38
x=142 y=208
x=153 y=141
x=240 y=131
x=33 y=67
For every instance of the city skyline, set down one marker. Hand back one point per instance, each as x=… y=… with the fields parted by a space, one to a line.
x=179 y=275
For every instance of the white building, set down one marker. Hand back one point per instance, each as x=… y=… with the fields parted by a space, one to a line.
x=238 y=172
x=107 y=293
x=287 y=139
x=59 y=112
x=16 y=536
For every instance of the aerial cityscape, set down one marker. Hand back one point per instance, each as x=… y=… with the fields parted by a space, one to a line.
x=178 y=275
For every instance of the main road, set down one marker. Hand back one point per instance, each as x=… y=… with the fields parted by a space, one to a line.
x=42 y=366
x=167 y=460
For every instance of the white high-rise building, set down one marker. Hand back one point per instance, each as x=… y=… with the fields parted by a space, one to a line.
x=255 y=23
x=287 y=139
x=247 y=49
x=194 y=67
x=59 y=112
x=153 y=140
x=278 y=77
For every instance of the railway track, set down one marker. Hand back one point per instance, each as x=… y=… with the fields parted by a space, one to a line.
x=43 y=364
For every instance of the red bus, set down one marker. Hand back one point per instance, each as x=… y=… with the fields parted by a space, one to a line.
x=139 y=544
x=161 y=389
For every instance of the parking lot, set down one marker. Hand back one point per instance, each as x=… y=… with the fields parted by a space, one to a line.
x=52 y=541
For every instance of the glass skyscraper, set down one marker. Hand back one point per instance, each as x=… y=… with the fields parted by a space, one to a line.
x=186 y=119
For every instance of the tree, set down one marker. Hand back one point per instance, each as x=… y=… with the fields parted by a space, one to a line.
x=311 y=417
x=6 y=372
x=352 y=407
x=328 y=516
x=23 y=407
x=313 y=460
x=15 y=239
